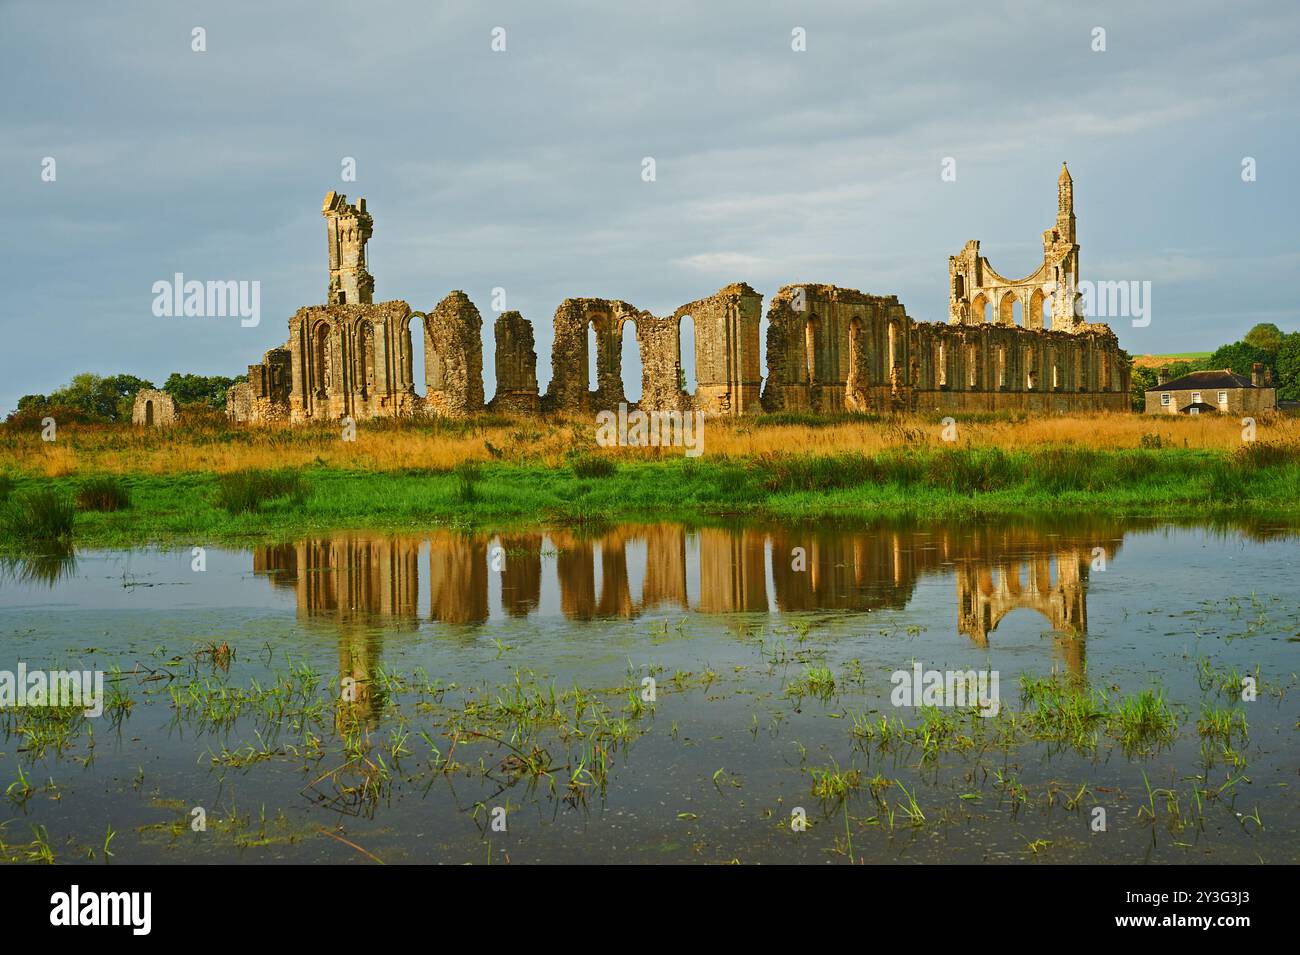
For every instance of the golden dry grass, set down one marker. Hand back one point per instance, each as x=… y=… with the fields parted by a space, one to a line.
x=127 y=450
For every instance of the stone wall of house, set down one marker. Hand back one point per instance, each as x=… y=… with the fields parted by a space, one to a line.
x=1241 y=401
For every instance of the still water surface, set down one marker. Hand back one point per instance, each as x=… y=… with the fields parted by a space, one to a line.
x=387 y=696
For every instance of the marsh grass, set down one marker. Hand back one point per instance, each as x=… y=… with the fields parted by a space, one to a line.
x=817 y=682
x=834 y=785
x=107 y=493
x=468 y=478
x=1218 y=723
x=40 y=518
x=439 y=444
x=591 y=466
x=1144 y=721
x=243 y=492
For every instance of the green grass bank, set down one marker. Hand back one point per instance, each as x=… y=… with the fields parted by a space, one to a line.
x=1258 y=481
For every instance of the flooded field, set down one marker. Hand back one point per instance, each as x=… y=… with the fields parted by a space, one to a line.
x=666 y=693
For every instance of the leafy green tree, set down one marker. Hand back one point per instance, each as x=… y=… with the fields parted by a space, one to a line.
x=198 y=389
x=1240 y=357
x=1141 y=380
x=1265 y=336
x=32 y=403
x=1286 y=374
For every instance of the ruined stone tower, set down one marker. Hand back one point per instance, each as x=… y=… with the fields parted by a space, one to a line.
x=978 y=294
x=348 y=229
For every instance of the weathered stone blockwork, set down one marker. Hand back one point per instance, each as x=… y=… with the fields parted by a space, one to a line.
x=351 y=361
x=453 y=357
x=727 y=365
x=829 y=349
x=978 y=294
x=153 y=409
x=265 y=395
x=516 y=365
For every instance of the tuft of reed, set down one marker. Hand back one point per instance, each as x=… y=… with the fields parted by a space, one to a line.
x=40 y=517
x=468 y=475
x=242 y=492
x=590 y=466
x=103 y=494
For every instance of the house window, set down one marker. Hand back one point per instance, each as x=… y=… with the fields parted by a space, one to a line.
x=1223 y=398
x=1196 y=397
x=1166 y=398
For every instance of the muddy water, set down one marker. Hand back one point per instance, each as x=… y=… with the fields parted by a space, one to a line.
x=660 y=693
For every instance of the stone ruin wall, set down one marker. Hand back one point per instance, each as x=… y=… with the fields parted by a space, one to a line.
x=453 y=358
x=829 y=349
x=153 y=409
x=516 y=366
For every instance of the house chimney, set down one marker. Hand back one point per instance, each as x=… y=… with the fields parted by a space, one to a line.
x=1162 y=376
x=1257 y=375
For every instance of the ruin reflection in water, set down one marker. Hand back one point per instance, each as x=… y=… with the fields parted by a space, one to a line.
x=367 y=582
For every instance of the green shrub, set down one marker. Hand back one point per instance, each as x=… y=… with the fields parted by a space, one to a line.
x=242 y=492
x=103 y=494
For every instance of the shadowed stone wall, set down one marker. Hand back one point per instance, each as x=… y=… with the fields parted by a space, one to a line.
x=453 y=358
x=516 y=365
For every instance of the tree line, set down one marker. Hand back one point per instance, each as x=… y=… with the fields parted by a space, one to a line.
x=105 y=399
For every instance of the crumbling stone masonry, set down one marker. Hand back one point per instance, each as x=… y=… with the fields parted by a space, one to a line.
x=348 y=230
x=153 y=409
x=727 y=364
x=265 y=396
x=977 y=294
x=453 y=357
x=351 y=361
x=829 y=349
x=570 y=390
x=516 y=364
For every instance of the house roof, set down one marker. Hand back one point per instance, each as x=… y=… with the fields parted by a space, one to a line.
x=1200 y=380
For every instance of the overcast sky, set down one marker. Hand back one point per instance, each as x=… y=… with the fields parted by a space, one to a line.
x=522 y=169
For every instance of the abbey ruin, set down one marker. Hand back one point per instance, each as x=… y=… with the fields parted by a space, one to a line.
x=1007 y=344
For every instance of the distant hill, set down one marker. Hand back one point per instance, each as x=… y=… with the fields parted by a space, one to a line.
x=1158 y=361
